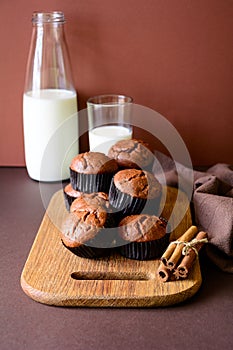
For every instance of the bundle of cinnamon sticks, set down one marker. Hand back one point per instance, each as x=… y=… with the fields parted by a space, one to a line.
x=180 y=255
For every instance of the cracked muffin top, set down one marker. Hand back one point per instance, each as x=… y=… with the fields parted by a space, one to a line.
x=137 y=183
x=131 y=153
x=93 y=163
x=90 y=202
x=142 y=228
x=78 y=228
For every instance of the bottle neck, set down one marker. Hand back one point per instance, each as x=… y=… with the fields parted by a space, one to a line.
x=48 y=64
x=54 y=17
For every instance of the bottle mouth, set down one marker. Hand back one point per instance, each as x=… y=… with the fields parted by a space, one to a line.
x=48 y=17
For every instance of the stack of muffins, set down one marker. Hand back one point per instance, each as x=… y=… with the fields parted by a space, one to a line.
x=112 y=204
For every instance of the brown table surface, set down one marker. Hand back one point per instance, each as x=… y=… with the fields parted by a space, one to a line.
x=203 y=322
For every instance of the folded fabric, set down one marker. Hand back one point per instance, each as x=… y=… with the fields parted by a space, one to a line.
x=212 y=199
x=223 y=171
x=213 y=208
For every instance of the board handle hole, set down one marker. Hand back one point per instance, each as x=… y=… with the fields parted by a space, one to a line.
x=110 y=276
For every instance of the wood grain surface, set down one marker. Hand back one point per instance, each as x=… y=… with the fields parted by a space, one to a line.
x=53 y=275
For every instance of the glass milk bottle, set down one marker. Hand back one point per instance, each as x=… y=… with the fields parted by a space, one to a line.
x=49 y=101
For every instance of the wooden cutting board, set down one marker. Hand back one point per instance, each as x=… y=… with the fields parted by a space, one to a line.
x=53 y=275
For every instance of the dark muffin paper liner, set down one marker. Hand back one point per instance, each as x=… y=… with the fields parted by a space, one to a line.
x=87 y=252
x=68 y=200
x=90 y=182
x=123 y=203
x=110 y=220
x=145 y=250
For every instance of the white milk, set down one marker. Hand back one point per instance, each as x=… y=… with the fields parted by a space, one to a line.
x=103 y=137
x=50 y=133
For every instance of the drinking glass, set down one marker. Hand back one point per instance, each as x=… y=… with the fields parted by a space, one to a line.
x=109 y=120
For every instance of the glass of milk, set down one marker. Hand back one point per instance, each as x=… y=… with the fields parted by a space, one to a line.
x=109 y=120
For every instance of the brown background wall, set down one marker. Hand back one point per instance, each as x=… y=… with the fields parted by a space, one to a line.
x=174 y=56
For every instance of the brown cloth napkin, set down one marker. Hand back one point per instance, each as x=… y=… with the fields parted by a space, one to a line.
x=212 y=201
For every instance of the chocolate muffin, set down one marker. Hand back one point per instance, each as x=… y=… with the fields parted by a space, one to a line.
x=143 y=236
x=132 y=154
x=96 y=204
x=70 y=195
x=134 y=190
x=83 y=234
x=92 y=172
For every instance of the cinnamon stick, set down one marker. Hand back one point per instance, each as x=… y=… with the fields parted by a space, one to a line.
x=165 y=257
x=174 y=251
x=187 y=262
x=164 y=274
